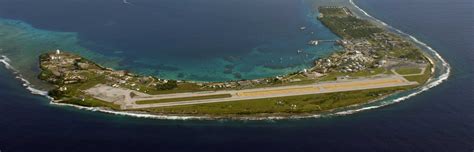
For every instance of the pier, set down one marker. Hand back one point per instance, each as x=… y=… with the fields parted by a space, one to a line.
x=316 y=42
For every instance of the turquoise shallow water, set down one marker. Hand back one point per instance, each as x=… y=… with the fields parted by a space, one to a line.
x=203 y=41
x=440 y=119
x=259 y=55
x=264 y=48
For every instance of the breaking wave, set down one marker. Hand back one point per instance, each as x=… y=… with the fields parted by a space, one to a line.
x=431 y=83
x=139 y=115
x=6 y=61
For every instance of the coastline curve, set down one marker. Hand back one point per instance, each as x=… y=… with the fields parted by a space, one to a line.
x=441 y=71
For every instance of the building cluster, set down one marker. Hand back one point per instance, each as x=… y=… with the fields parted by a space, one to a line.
x=387 y=41
x=234 y=84
x=62 y=67
x=65 y=68
x=242 y=84
x=363 y=53
x=358 y=55
x=128 y=80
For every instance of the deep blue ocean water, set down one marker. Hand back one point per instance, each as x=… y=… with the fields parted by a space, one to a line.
x=189 y=39
x=441 y=119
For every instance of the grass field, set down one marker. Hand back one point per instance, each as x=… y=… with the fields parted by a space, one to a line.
x=336 y=19
x=421 y=78
x=217 y=96
x=406 y=71
x=279 y=105
x=333 y=12
x=278 y=91
x=92 y=102
x=365 y=73
x=182 y=87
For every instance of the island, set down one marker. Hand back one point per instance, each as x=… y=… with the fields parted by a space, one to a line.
x=372 y=64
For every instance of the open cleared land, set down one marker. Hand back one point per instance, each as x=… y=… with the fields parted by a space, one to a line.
x=421 y=77
x=203 y=97
x=279 y=106
x=140 y=101
x=270 y=92
x=373 y=63
x=406 y=71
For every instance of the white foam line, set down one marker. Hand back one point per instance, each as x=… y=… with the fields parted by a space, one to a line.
x=170 y=117
x=139 y=115
x=432 y=83
x=126 y=2
x=6 y=61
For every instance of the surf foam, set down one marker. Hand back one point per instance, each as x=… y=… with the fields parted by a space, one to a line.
x=431 y=83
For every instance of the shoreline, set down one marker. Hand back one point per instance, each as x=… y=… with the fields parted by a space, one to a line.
x=137 y=114
x=358 y=108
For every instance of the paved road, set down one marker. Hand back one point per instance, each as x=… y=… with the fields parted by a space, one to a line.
x=423 y=69
x=271 y=92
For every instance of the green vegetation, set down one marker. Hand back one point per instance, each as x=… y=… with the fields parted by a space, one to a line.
x=346 y=25
x=420 y=78
x=281 y=105
x=91 y=102
x=368 y=50
x=171 y=84
x=333 y=75
x=406 y=71
x=333 y=12
x=45 y=74
x=217 y=96
x=350 y=27
x=181 y=88
x=410 y=53
x=74 y=95
x=280 y=83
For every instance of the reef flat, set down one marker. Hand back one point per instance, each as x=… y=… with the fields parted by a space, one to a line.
x=373 y=64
